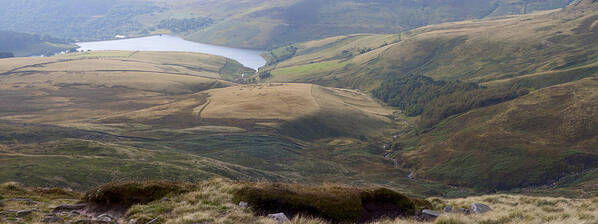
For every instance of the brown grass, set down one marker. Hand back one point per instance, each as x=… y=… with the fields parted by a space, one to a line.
x=127 y=194
x=275 y=101
x=339 y=204
x=214 y=201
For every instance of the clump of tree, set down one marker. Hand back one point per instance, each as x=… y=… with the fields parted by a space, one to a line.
x=184 y=25
x=6 y=55
x=280 y=54
x=436 y=100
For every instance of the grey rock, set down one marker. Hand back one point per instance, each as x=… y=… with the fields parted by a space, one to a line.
x=448 y=209
x=105 y=218
x=279 y=217
x=153 y=221
x=51 y=218
x=68 y=208
x=90 y=221
x=479 y=208
x=430 y=214
x=243 y=204
x=410 y=176
x=133 y=221
x=23 y=213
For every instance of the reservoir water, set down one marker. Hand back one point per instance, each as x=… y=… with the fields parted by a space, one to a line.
x=249 y=58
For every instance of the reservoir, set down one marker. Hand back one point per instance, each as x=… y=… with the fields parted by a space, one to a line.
x=249 y=58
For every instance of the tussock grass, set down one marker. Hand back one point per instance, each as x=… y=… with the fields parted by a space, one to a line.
x=130 y=193
x=212 y=202
x=41 y=200
x=338 y=204
x=216 y=201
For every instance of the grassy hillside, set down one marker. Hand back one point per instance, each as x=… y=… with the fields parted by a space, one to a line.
x=72 y=19
x=464 y=65
x=264 y=25
x=23 y=45
x=254 y=24
x=468 y=51
x=167 y=115
x=217 y=201
x=492 y=148
x=49 y=105
x=492 y=110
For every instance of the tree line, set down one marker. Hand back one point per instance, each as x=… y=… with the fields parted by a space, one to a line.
x=436 y=100
x=184 y=25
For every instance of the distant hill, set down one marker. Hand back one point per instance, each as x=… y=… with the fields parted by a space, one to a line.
x=475 y=51
x=73 y=19
x=22 y=44
x=284 y=22
x=250 y=24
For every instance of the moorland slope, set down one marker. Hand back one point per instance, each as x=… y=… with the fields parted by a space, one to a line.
x=497 y=104
x=257 y=24
x=217 y=201
x=473 y=51
x=144 y=111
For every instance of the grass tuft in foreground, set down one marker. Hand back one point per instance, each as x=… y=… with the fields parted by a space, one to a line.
x=338 y=204
x=130 y=193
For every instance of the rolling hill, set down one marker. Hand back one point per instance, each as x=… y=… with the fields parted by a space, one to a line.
x=46 y=105
x=467 y=106
x=497 y=104
x=546 y=138
x=172 y=115
x=474 y=51
x=256 y=24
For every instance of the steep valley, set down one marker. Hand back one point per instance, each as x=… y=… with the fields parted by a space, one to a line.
x=375 y=111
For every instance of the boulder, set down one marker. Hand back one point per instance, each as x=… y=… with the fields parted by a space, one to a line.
x=430 y=214
x=243 y=204
x=153 y=221
x=448 y=209
x=279 y=217
x=105 y=218
x=479 y=208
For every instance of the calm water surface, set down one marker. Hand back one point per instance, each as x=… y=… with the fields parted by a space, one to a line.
x=249 y=58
